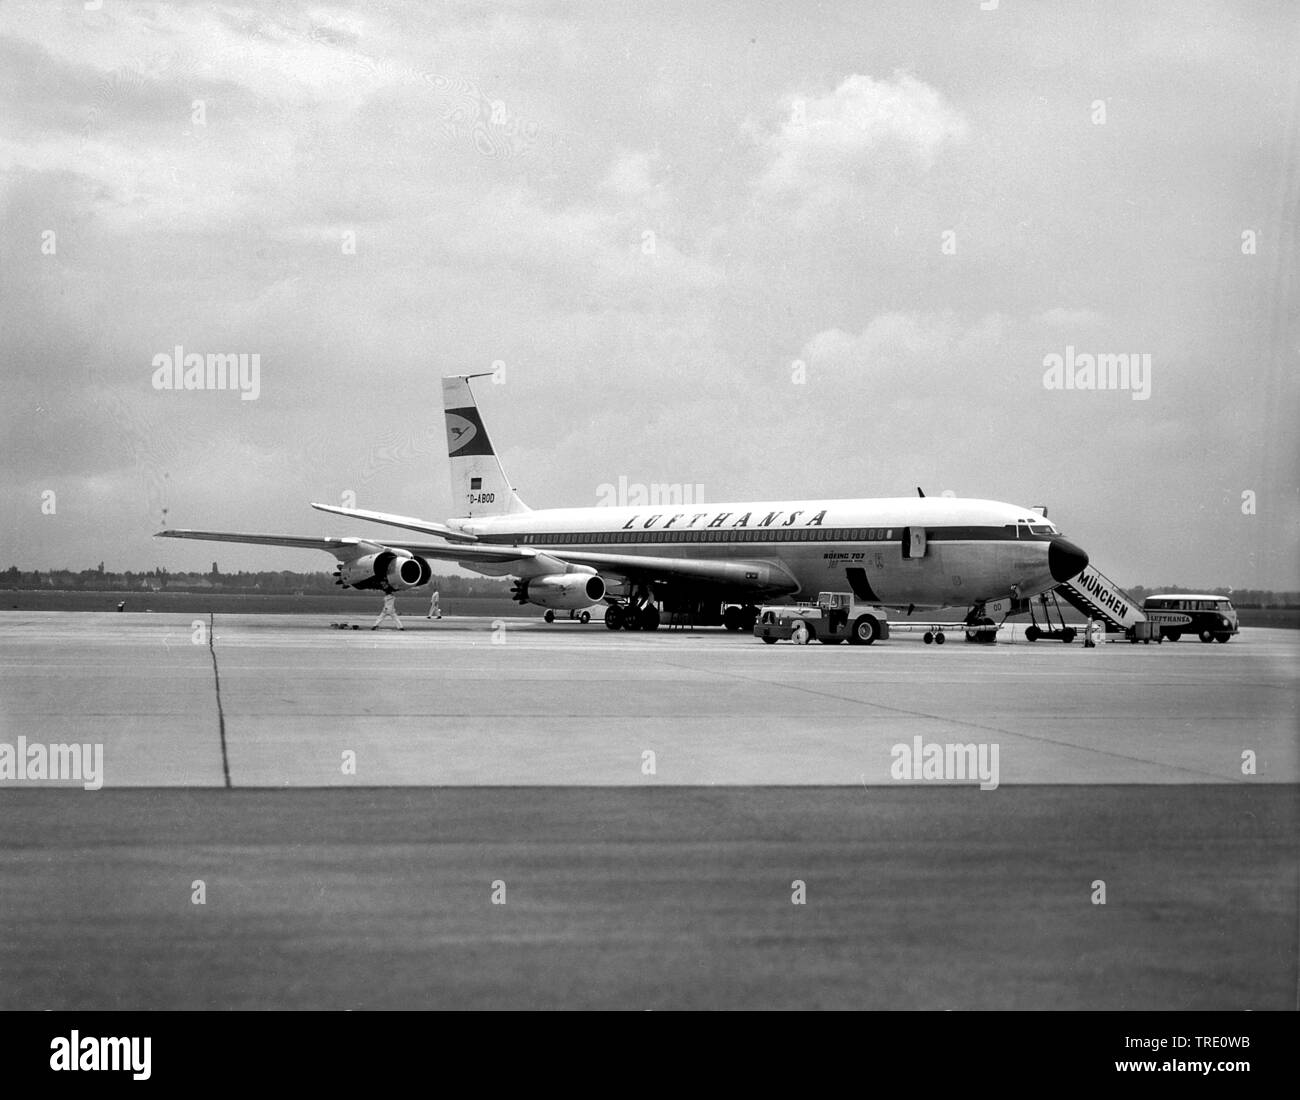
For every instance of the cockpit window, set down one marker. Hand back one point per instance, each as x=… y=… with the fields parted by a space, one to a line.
x=1043 y=529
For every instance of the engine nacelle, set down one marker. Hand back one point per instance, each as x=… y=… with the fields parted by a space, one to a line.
x=388 y=569
x=562 y=591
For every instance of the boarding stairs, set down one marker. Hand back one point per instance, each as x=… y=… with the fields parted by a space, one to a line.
x=1098 y=597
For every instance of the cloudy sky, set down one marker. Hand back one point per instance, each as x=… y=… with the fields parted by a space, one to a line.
x=770 y=249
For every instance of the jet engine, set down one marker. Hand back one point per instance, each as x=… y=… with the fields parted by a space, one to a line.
x=390 y=569
x=562 y=591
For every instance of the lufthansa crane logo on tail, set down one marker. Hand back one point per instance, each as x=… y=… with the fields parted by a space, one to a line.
x=466 y=434
x=460 y=432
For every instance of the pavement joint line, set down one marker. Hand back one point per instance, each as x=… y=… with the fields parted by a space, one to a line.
x=221 y=714
x=975 y=725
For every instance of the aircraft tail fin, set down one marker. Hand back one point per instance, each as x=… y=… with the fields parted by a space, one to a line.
x=479 y=486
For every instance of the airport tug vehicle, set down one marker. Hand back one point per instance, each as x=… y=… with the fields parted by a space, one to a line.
x=583 y=616
x=834 y=618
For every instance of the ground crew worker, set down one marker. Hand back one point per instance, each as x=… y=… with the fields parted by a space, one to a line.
x=435 y=612
x=389 y=612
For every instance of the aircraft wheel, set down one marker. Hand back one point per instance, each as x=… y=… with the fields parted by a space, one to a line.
x=939 y=638
x=585 y=618
x=549 y=616
x=927 y=637
x=1206 y=636
x=865 y=631
x=1222 y=637
x=613 y=616
x=1031 y=633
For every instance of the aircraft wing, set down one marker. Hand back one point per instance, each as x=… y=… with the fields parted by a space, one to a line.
x=636 y=568
x=411 y=523
x=756 y=574
x=347 y=548
x=527 y=561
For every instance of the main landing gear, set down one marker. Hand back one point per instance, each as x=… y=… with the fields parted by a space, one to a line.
x=638 y=613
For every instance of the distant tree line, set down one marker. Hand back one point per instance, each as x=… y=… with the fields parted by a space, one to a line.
x=281 y=581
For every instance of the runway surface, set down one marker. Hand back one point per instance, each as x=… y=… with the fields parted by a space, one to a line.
x=509 y=757
x=522 y=703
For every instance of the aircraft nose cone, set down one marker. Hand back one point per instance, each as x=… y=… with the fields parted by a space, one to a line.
x=1065 y=560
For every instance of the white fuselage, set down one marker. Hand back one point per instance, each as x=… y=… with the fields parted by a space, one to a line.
x=968 y=550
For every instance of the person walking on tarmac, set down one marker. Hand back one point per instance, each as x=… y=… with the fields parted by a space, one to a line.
x=389 y=612
x=435 y=611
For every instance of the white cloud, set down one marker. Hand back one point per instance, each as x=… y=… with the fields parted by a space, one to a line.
x=829 y=142
x=906 y=358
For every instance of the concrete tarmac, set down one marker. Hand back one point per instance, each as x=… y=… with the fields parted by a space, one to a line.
x=465 y=701
x=1139 y=851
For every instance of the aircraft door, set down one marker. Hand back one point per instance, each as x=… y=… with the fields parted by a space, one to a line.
x=913 y=542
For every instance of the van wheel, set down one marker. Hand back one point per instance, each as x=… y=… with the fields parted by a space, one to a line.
x=1173 y=635
x=865 y=631
x=1222 y=637
x=768 y=640
x=826 y=640
x=1206 y=636
x=1067 y=635
x=585 y=618
x=1031 y=633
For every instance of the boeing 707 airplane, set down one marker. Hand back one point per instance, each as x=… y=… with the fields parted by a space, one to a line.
x=895 y=552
